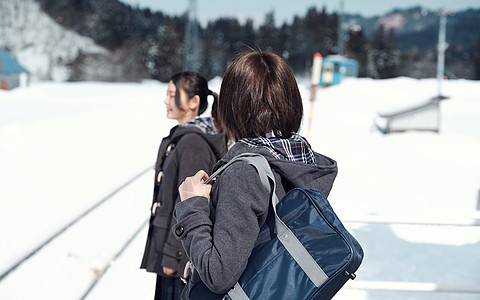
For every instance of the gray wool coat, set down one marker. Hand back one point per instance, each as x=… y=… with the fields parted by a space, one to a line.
x=220 y=250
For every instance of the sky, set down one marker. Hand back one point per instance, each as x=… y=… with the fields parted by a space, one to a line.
x=285 y=10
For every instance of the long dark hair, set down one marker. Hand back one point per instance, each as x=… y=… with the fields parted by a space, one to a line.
x=193 y=84
x=259 y=94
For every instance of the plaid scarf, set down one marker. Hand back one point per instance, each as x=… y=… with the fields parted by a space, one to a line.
x=205 y=124
x=296 y=148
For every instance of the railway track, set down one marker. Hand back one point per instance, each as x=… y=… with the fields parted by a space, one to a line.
x=74 y=263
x=82 y=251
x=109 y=264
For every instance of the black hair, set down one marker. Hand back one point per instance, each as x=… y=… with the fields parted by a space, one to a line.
x=193 y=84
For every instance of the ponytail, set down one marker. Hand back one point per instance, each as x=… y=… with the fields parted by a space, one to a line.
x=214 y=104
x=215 y=111
x=193 y=84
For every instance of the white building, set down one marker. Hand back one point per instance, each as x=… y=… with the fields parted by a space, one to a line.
x=12 y=74
x=422 y=117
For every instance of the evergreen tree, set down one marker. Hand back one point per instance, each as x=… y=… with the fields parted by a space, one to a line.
x=248 y=33
x=378 y=55
x=207 y=52
x=297 y=46
x=270 y=37
x=330 y=41
x=226 y=41
x=357 y=48
x=385 y=53
x=315 y=30
x=476 y=59
x=163 y=54
x=392 y=56
x=113 y=25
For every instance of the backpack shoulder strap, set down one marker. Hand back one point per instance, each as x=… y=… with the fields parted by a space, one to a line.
x=284 y=234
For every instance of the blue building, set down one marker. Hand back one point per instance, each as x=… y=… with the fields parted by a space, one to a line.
x=335 y=68
x=11 y=72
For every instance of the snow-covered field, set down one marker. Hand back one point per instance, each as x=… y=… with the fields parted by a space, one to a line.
x=66 y=146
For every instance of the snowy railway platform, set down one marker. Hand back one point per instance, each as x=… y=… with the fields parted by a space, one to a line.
x=73 y=263
x=71 y=148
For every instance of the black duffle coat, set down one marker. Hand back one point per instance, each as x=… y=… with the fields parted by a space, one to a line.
x=181 y=154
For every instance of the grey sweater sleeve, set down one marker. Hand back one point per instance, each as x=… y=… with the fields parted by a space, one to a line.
x=220 y=251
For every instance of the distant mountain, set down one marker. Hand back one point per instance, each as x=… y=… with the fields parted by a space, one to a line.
x=419 y=27
x=108 y=40
x=108 y=22
x=416 y=36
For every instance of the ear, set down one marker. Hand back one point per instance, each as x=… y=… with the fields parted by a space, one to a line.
x=194 y=102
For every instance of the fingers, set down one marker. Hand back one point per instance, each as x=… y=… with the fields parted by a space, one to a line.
x=200 y=176
x=168 y=271
x=194 y=186
x=208 y=189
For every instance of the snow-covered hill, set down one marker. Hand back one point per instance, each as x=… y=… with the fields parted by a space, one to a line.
x=41 y=45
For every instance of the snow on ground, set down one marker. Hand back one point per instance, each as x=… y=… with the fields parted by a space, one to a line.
x=65 y=146
x=419 y=175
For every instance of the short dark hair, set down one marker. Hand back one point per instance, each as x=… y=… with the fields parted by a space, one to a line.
x=259 y=94
x=193 y=84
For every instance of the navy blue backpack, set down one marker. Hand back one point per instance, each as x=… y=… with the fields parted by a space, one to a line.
x=303 y=251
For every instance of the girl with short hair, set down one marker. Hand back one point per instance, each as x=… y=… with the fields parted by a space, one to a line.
x=260 y=108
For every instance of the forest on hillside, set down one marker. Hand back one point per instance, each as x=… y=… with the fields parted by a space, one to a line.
x=145 y=44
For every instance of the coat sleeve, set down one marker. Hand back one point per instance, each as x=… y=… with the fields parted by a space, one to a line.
x=220 y=251
x=193 y=154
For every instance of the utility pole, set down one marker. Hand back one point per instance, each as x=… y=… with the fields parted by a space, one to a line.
x=340 y=30
x=190 y=54
x=442 y=46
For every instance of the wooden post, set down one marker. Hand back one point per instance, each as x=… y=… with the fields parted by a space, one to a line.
x=315 y=80
x=313 y=93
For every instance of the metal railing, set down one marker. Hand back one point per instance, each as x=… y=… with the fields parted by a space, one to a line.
x=414 y=221
x=413 y=286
